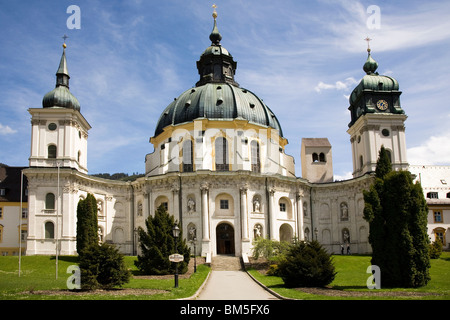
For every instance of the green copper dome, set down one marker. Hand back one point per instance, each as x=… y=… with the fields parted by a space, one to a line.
x=217 y=96
x=375 y=93
x=372 y=81
x=217 y=101
x=61 y=97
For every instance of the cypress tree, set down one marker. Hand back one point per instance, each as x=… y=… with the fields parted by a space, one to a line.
x=158 y=243
x=87 y=223
x=397 y=214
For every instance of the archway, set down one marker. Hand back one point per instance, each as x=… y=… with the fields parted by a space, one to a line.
x=225 y=238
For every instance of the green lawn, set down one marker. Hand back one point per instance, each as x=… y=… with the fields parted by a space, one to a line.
x=38 y=274
x=350 y=282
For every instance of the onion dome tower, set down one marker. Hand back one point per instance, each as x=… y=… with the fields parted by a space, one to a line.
x=61 y=97
x=376 y=119
x=59 y=131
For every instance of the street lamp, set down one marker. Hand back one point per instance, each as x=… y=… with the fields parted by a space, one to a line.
x=194 y=242
x=176 y=234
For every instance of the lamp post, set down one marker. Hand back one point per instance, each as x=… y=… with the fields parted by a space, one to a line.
x=176 y=234
x=193 y=242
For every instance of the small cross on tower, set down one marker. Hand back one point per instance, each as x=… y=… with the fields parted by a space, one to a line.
x=368 y=43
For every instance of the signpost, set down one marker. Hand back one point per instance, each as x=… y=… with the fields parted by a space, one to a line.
x=176 y=257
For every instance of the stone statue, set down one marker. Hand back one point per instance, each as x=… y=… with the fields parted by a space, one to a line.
x=192 y=233
x=256 y=205
x=191 y=205
x=257 y=231
x=344 y=211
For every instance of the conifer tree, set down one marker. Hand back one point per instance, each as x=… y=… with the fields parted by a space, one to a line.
x=158 y=243
x=397 y=214
x=87 y=223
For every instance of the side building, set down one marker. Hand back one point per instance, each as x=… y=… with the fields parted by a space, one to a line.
x=13 y=210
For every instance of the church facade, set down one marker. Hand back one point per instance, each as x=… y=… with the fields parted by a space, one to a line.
x=218 y=166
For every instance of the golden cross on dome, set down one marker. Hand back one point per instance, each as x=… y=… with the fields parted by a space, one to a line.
x=368 y=43
x=215 y=12
x=64 y=44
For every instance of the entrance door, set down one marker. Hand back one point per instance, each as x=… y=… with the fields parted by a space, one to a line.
x=225 y=239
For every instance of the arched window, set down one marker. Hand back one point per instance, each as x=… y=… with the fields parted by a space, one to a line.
x=315 y=157
x=322 y=157
x=50 y=201
x=188 y=157
x=256 y=162
x=49 y=230
x=221 y=157
x=52 y=151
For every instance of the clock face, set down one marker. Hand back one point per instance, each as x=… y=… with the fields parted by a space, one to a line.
x=382 y=105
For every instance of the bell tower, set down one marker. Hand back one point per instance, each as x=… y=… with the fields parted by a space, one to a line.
x=59 y=132
x=376 y=119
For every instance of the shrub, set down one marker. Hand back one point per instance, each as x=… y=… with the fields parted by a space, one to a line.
x=272 y=250
x=273 y=270
x=436 y=249
x=103 y=266
x=306 y=264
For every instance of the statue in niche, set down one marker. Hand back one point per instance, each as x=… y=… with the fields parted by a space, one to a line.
x=100 y=207
x=346 y=236
x=305 y=209
x=344 y=211
x=256 y=205
x=192 y=233
x=191 y=205
x=257 y=231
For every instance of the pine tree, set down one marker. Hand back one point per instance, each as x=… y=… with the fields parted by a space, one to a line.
x=306 y=264
x=87 y=223
x=397 y=214
x=158 y=243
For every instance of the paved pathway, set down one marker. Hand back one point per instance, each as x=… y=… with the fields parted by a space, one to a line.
x=227 y=281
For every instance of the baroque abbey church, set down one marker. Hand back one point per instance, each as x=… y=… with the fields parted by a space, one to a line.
x=219 y=167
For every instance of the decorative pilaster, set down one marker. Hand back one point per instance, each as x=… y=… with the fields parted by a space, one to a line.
x=300 y=214
x=244 y=213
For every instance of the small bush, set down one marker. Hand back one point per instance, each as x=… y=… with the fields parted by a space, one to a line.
x=272 y=250
x=436 y=249
x=306 y=264
x=102 y=266
x=273 y=270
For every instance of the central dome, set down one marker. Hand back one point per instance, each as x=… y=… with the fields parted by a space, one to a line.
x=217 y=96
x=217 y=101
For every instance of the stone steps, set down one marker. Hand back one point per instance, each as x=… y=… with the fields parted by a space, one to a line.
x=226 y=263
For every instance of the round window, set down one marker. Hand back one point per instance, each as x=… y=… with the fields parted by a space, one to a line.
x=52 y=126
x=385 y=132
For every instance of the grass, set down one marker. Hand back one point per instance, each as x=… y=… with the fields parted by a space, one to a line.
x=350 y=282
x=38 y=273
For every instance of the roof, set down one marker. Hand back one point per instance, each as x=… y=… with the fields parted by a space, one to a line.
x=214 y=101
x=316 y=142
x=10 y=182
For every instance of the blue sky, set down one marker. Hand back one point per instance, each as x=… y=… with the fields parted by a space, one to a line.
x=130 y=59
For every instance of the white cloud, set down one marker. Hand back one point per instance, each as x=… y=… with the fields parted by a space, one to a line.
x=431 y=152
x=345 y=176
x=338 y=85
x=5 y=130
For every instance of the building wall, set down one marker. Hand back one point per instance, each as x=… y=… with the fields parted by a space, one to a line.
x=10 y=221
